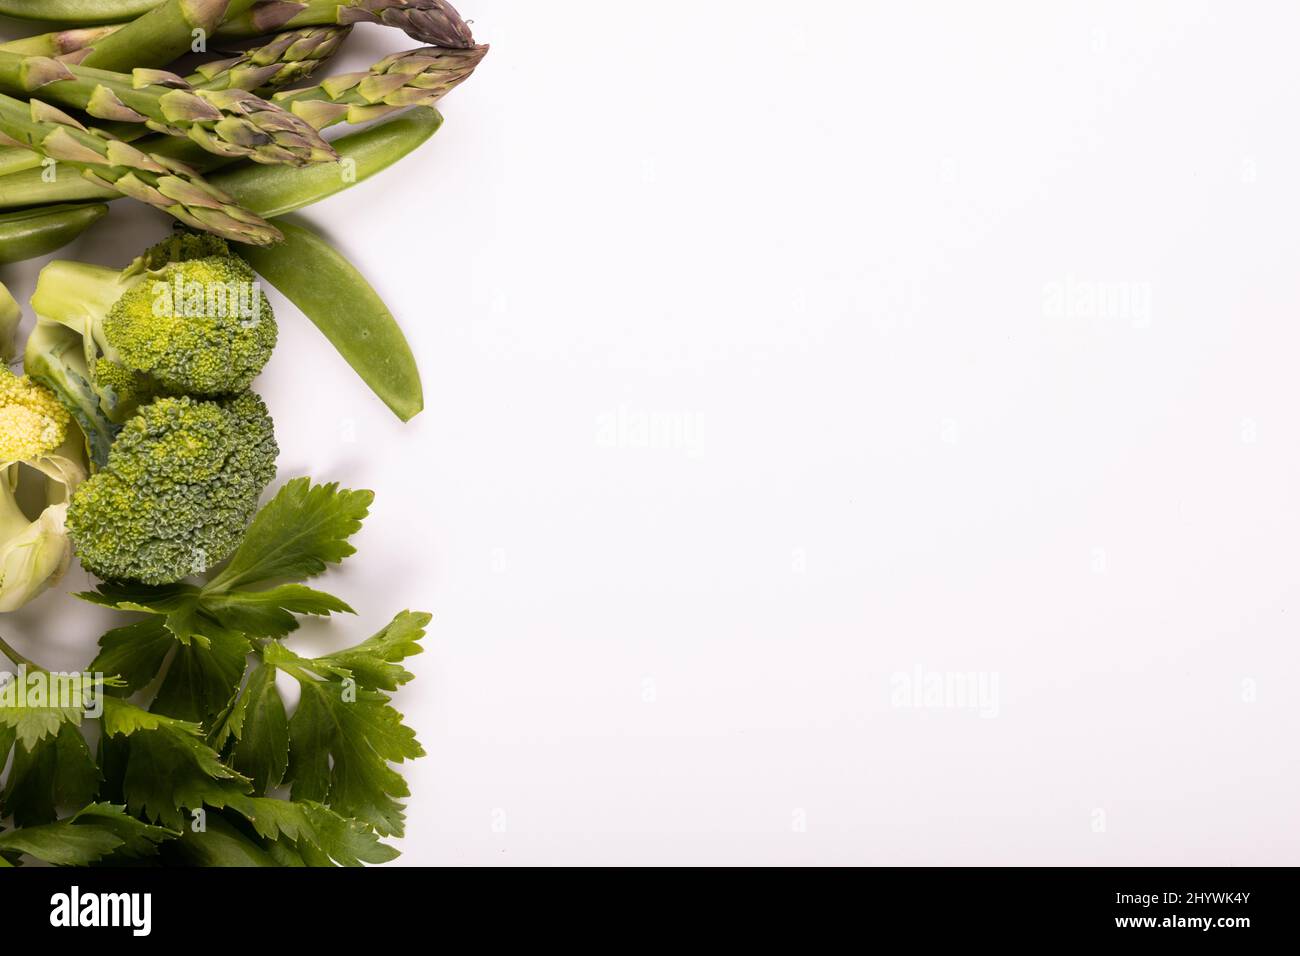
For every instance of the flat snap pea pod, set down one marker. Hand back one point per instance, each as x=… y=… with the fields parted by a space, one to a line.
x=315 y=277
x=29 y=233
x=76 y=11
x=361 y=155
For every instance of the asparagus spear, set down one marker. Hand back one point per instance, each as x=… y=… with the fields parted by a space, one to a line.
x=58 y=43
x=77 y=11
x=229 y=122
x=161 y=182
x=285 y=59
x=270 y=191
x=405 y=79
x=415 y=78
x=162 y=34
x=430 y=21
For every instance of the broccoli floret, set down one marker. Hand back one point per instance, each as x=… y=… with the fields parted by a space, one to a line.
x=178 y=491
x=180 y=247
x=186 y=318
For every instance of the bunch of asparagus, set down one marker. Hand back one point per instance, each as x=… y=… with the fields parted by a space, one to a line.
x=97 y=98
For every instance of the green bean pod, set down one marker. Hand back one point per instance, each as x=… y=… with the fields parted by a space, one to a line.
x=76 y=11
x=329 y=290
x=30 y=233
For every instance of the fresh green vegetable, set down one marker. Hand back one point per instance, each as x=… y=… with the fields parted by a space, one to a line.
x=337 y=298
x=282 y=61
x=35 y=436
x=336 y=748
x=163 y=34
x=158 y=493
x=188 y=317
x=415 y=78
x=212 y=740
x=231 y=122
x=77 y=11
x=58 y=43
x=361 y=155
x=30 y=233
x=429 y=21
x=92 y=834
x=180 y=486
x=165 y=184
x=279 y=833
x=55 y=356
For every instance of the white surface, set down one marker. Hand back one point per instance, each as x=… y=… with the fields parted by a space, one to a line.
x=823 y=242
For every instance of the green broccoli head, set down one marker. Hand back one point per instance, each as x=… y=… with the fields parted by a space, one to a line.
x=186 y=318
x=178 y=491
x=196 y=327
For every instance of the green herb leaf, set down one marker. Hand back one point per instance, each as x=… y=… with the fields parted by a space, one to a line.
x=261 y=729
x=135 y=652
x=57 y=771
x=344 y=733
x=201 y=681
x=89 y=836
x=319 y=836
x=270 y=613
x=168 y=767
x=34 y=706
x=374 y=662
x=302 y=530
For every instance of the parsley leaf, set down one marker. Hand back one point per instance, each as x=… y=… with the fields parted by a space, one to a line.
x=135 y=653
x=89 y=836
x=56 y=771
x=344 y=734
x=201 y=681
x=260 y=727
x=303 y=529
x=166 y=766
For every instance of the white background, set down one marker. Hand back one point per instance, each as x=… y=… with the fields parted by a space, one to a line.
x=849 y=255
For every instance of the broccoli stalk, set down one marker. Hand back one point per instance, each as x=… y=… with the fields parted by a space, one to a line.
x=55 y=357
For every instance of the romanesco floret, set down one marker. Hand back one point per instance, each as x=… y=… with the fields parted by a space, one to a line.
x=180 y=487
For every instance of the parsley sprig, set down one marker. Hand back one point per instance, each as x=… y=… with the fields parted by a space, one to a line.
x=199 y=759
